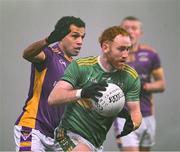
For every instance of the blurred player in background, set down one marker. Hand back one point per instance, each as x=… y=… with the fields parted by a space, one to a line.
x=82 y=128
x=34 y=129
x=146 y=62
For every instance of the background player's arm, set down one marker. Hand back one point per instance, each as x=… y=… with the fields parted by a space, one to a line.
x=62 y=92
x=158 y=84
x=34 y=53
x=134 y=109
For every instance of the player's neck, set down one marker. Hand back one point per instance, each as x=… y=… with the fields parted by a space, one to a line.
x=62 y=50
x=104 y=64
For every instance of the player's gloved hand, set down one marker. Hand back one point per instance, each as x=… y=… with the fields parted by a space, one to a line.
x=92 y=91
x=57 y=35
x=60 y=31
x=128 y=126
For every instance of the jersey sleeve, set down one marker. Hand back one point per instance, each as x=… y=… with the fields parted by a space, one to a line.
x=43 y=65
x=72 y=73
x=156 y=63
x=134 y=90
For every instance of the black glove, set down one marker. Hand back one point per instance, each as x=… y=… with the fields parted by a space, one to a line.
x=128 y=126
x=62 y=28
x=57 y=35
x=92 y=91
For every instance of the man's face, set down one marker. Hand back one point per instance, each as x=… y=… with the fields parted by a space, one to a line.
x=117 y=51
x=134 y=28
x=72 y=42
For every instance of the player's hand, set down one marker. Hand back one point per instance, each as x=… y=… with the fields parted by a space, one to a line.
x=92 y=91
x=128 y=126
x=57 y=35
x=143 y=90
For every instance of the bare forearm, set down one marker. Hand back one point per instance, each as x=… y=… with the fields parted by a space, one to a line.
x=134 y=109
x=157 y=86
x=136 y=118
x=34 y=49
x=60 y=96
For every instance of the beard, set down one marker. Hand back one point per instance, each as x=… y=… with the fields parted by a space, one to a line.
x=116 y=63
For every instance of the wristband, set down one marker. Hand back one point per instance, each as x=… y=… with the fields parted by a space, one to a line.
x=78 y=93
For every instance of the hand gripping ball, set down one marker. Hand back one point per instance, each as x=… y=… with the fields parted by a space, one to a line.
x=111 y=102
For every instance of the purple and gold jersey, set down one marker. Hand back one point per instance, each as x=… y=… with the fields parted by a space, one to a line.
x=144 y=62
x=36 y=112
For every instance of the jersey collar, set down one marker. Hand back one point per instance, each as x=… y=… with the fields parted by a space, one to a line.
x=104 y=69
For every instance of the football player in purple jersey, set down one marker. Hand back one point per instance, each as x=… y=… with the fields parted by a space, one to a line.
x=34 y=128
x=146 y=62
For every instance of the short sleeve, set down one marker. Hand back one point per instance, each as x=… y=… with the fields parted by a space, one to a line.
x=156 y=63
x=72 y=73
x=43 y=65
x=134 y=91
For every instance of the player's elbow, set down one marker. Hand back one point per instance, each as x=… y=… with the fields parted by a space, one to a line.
x=51 y=100
x=25 y=55
x=163 y=87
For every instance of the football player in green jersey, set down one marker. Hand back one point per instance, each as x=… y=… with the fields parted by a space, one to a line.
x=82 y=128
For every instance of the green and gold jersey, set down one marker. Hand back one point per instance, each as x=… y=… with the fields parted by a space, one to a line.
x=79 y=117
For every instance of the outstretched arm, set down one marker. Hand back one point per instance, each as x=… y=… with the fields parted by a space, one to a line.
x=64 y=92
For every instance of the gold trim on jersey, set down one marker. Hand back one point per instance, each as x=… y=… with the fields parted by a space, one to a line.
x=25 y=144
x=130 y=70
x=87 y=61
x=86 y=103
x=28 y=119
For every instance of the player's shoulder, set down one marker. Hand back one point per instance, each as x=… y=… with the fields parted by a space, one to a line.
x=91 y=60
x=147 y=47
x=53 y=47
x=51 y=50
x=130 y=70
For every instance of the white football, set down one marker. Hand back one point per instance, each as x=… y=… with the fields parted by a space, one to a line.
x=111 y=102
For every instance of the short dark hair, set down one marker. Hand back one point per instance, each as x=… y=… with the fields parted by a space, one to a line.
x=66 y=21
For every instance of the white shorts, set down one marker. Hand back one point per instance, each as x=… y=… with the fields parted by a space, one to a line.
x=144 y=136
x=69 y=138
x=78 y=139
x=27 y=139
